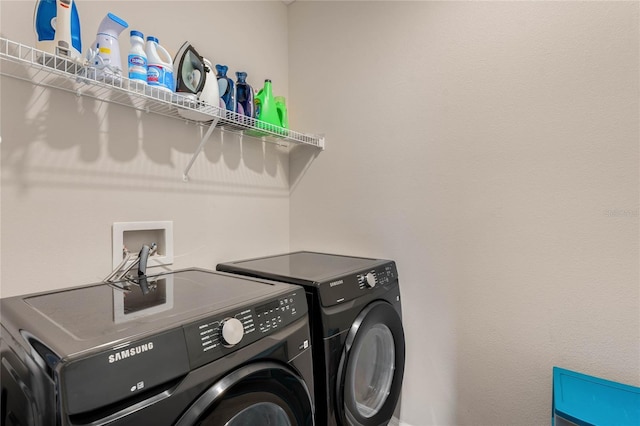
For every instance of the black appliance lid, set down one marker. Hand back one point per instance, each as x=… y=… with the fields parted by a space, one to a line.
x=302 y=267
x=76 y=319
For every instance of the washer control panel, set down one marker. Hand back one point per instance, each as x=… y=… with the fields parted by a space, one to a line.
x=349 y=287
x=381 y=276
x=217 y=336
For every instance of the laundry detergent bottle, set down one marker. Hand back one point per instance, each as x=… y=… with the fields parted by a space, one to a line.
x=137 y=61
x=266 y=109
x=283 y=115
x=159 y=66
x=226 y=88
x=244 y=96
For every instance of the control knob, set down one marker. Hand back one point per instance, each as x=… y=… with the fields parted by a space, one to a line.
x=232 y=332
x=371 y=280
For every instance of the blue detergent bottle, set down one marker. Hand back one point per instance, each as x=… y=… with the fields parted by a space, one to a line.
x=244 y=96
x=226 y=87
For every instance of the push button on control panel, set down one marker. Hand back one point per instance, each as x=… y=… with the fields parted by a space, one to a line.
x=271 y=315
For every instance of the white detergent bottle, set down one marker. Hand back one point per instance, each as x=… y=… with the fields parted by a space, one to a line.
x=137 y=62
x=159 y=66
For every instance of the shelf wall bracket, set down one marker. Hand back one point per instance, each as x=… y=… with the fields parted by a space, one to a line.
x=203 y=142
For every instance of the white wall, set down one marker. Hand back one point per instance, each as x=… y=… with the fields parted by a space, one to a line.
x=491 y=149
x=73 y=166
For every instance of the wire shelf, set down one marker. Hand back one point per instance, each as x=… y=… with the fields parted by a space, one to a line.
x=45 y=69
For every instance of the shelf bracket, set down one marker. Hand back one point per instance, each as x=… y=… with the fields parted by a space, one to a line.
x=203 y=142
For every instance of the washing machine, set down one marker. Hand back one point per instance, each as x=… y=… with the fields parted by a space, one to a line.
x=196 y=347
x=356 y=331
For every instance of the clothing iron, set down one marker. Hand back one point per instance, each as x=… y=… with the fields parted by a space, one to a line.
x=195 y=80
x=57 y=27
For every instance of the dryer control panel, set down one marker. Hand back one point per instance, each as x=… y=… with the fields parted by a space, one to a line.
x=350 y=286
x=217 y=336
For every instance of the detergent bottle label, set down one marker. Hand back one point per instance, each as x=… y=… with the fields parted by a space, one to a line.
x=159 y=76
x=168 y=80
x=155 y=75
x=137 y=67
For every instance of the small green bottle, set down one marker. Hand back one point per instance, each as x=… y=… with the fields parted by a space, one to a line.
x=281 y=106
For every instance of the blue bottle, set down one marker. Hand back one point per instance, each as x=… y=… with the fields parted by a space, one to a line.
x=244 y=96
x=227 y=88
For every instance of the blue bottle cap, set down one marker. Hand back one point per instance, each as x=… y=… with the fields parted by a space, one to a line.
x=137 y=33
x=222 y=69
x=152 y=38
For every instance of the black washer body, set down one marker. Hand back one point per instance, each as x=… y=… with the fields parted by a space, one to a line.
x=349 y=298
x=200 y=347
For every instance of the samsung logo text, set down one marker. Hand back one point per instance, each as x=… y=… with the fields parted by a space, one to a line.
x=335 y=283
x=128 y=353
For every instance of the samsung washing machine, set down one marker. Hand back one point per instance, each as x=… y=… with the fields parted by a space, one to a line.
x=356 y=331
x=195 y=348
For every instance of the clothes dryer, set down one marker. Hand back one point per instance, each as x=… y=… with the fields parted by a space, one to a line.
x=356 y=328
x=196 y=348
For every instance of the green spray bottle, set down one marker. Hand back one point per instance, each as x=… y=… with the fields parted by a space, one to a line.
x=266 y=108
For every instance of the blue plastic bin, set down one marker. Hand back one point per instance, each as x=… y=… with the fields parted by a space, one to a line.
x=589 y=401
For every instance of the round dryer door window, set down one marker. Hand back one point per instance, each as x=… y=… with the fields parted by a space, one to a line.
x=372 y=366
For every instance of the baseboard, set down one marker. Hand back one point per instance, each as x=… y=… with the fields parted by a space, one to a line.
x=397 y=422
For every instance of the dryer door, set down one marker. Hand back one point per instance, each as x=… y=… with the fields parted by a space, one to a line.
x=263 y=393
x=372 y=366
